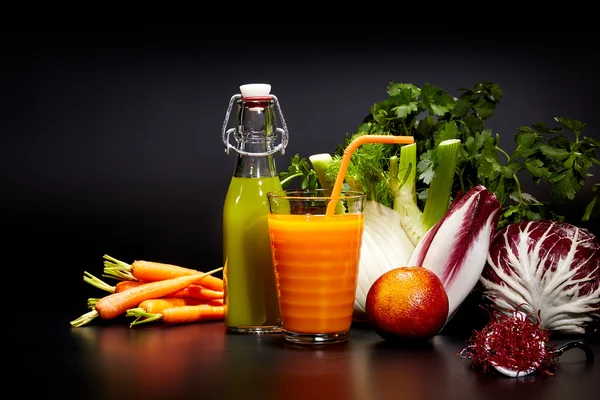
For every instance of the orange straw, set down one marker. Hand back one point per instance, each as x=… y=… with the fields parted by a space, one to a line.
x=341 y=176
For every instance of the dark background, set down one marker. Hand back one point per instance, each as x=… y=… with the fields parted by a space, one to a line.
x=111 y=135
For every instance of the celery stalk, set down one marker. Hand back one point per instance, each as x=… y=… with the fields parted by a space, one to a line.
x=320 y=163
x=403 y=184
x=354 y=184
x=403 y=175
x=440 y=188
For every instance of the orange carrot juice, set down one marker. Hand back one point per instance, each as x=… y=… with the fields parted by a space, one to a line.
x=316 y=268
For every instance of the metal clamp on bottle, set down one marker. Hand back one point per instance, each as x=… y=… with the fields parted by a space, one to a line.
x=255 y=97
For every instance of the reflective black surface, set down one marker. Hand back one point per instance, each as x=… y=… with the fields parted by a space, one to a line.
x=111 y=145
x=112 y=361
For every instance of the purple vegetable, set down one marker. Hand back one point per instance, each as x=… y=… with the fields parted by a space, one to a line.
x=456 y=247
x=548 y=267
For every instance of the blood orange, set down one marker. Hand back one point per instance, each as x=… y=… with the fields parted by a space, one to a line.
x=407 y=303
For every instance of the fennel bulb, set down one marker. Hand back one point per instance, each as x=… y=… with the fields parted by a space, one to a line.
x=385 y=245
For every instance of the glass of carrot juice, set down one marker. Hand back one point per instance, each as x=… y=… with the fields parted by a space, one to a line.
x=315 y=243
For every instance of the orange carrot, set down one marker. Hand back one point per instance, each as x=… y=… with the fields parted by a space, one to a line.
x=154 y=306
x=194 y=291
x=116 y=304
x=182 y=314
x=151 y=271
x=157 y=305
x=125 y=285
x=215 y=302
x=199 y=292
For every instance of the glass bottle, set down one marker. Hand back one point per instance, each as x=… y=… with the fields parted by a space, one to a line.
x=250 y=295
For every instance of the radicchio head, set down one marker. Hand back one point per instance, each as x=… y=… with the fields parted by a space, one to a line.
x=546 y=268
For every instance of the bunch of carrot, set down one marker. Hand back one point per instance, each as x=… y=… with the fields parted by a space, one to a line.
x=153 y=291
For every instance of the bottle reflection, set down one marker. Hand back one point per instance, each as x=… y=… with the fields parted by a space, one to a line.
x=325 y=372
x=271 y=368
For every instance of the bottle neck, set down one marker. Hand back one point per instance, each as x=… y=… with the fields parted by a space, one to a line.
x=251 y=166
x=255 y=137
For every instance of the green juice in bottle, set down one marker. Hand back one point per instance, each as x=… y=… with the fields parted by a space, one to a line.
x=251 y=297
x=250 y=294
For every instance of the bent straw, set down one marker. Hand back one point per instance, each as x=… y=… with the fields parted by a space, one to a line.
x=349 y=150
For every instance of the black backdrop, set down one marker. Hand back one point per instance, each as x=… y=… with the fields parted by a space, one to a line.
x=110 y=135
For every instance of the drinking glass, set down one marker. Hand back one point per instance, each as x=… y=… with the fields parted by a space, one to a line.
x=315 y=243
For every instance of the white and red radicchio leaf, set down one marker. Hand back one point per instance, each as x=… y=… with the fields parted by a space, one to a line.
x=456 y=248
x=548 y=267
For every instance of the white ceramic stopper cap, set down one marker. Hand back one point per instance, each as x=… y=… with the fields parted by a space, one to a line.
x=255 y=90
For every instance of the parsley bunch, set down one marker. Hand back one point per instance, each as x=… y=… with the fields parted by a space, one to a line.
x=558 y=157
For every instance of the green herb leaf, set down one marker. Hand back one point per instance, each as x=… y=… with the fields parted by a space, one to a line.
x=565 y=186
x=558 y=156
x=593 y=204
x=299 y=168
x=437 y=100
x=572 y=124
x=555 y=153
x=448 y=131
x=426 y=167
x=537 y=169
